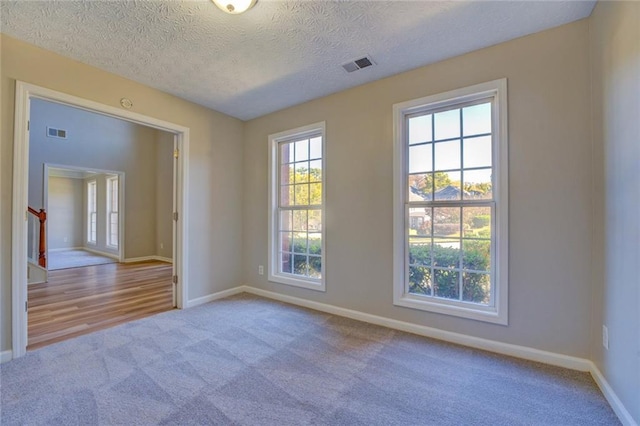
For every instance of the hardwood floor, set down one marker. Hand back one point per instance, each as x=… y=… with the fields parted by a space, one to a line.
x=83 y=300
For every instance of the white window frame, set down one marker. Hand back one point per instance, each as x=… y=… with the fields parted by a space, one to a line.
x=274 y=275
x=92 y=211
x=497 y=312
x=111 y=182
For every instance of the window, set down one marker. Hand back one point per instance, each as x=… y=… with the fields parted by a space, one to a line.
x=296 y=237
x=450 y=197
x=92 y=219
x=112 y=211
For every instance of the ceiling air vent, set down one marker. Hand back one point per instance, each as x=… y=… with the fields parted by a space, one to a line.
x=56 y=133
x=358 y=64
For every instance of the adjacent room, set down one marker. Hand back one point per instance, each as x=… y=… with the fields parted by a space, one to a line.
x=362 y=212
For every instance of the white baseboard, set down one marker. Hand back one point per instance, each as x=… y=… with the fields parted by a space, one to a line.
x=215 y=296
x=102 y=253
x=147 y=258
x=524 y=352
x=615 y=403
x=65 y=249
x=6 y=356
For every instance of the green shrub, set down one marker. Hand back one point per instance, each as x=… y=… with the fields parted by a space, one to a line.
x=476 y=287
x=481 y=221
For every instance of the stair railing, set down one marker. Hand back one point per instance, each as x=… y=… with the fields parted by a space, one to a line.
x=38 y=234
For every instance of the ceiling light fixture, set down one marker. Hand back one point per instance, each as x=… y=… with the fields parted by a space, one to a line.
x=234 y=7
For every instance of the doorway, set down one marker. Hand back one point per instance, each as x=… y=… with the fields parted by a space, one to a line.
x=25 y=94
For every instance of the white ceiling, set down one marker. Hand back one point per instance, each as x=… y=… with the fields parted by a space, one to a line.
x=278 y=54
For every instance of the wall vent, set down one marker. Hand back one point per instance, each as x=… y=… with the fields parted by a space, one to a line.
x=56 y=133
x=358 y=64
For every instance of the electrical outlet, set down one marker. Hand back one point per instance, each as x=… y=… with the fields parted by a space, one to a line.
x=260 y=270
x=605 y=337
x=161 y=246
x=65 y=239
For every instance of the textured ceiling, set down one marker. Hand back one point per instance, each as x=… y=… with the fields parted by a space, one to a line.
x=278 y=54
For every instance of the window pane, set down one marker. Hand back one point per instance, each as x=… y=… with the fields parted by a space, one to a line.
x=286 y=153
x=315 y=220
x=315 y=267
x=477 y=152
x=476 y=119
x=420 y=221
x=286 y=238
x=446 y=221
x=302 y=150
x=476 y=222
x=300 y=264
x=302 y=195
x=420 y=187
x=420 y=129
x=446 y=253
x=286 y=174
x=446 y=283
x=315 y=171
x=420 y=280
x=286 y=261
x=420 y=251
x=315 y=148
x=300 y=220
x=286 y=195
x=286 y=220
x=476 y=255
x=315 y=193
x=300 y=242
x=302 y=172
x=447 y=186
x=447 y=155
x=315 y=243
x=477 y=183
x=476 y=288
x=447 y=124
x=420 y=158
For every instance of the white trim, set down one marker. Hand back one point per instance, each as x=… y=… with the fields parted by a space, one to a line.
x=618 y=407
x=147 y=258
x=498 y=312
x=215 y=296
x=102 y=253
x=23 y=94
x=274 y=190
x=55 y=250
x=509 y=349
x=5 y=356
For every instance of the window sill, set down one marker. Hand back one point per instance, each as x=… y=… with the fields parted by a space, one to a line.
x=311 y=284
x=453 y=308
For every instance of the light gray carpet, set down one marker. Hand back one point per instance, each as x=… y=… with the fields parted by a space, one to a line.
x=250 y=361
x=74 y=258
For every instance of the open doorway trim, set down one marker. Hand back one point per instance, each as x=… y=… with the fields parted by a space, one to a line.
x=120 y=256
x=24 y=93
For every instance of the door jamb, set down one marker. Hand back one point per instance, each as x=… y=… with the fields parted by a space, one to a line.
x=24 y=93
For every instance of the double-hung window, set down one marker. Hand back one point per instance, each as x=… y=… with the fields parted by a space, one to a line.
x=450 y=203
x=92 y=211
x=296 y=214
x=112 y=211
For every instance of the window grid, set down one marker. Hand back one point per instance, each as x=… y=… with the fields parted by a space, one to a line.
x=300 y=207
x=426 y=278
x=91 y=211
x=112 y=213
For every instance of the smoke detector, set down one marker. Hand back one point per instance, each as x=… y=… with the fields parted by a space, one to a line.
x=358 y=64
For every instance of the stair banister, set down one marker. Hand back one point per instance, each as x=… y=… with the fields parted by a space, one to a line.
x=42 y=245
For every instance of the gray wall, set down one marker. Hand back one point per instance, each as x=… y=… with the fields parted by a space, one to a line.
x=615 y=64
x=65 y=214
x=550 y=189
x=215 y=173
x=97 y=141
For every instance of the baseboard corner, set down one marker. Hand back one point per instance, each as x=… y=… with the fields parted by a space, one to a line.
x=616 y=405
x=215 y=296
x=6 y=356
